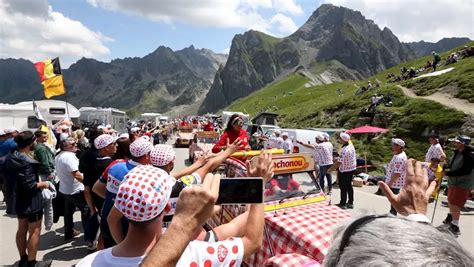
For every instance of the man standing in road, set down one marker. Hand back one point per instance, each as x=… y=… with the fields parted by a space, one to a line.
x=435 y=150
x=287 y=143
x=45 y=157
x=71 y=186
x=323 y=157
x=396 y=170
x=460 y=181
x=346 y=164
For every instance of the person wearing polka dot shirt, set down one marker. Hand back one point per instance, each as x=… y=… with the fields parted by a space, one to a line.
x=143 y=199
x=396 y=169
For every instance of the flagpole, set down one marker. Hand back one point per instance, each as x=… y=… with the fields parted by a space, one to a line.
x=65 y=98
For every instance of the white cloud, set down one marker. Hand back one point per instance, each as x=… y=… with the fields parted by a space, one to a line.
x=288 y=6
x=32 y=30
x=208 y=13
x=283 y=24
x=415 y=20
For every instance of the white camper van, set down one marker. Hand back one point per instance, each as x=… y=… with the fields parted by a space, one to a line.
x=22 y=115
x=95 y=116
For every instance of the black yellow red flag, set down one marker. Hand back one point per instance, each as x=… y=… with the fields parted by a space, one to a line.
x=51 y=77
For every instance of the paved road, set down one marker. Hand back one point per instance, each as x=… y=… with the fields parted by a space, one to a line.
x=52 y=245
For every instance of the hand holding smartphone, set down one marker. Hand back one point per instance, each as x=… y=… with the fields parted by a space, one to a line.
x=240 y=190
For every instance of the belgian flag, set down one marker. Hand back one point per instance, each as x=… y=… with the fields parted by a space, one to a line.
x=51 y=77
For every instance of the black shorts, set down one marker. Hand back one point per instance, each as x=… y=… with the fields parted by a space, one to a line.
x=32 y=217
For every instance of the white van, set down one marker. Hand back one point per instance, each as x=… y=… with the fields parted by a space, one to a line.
x=305 y=136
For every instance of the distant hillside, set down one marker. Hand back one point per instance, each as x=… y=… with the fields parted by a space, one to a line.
x=155 y=83
x=335 y=44
x=423 y=48
x=326 y=106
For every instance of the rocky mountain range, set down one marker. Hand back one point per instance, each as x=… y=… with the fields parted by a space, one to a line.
x=157 y=82
x=423 y=48
x=335 y=43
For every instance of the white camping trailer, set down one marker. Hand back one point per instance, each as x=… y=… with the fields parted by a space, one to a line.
x=91 y=116
x=23 y=117
x=151 y=117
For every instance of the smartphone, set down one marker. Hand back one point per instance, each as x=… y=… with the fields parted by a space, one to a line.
x=241 y=190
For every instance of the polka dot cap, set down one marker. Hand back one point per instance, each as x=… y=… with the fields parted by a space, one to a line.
x=140 y=147
x=161 y=155
x=144 y=193
x=103 y=140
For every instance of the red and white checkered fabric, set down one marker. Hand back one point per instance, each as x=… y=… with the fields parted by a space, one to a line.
x=305 y=230
x=161 y=155
x=291 y=260
x=235 y=167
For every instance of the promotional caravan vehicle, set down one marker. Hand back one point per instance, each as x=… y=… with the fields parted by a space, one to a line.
x=91 y=116
x=296 y=212
x=23 y=117
x=202 y=144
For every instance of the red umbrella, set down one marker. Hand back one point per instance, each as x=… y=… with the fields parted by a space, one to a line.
x=366 y=129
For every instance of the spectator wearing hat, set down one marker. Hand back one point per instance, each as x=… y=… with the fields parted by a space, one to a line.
x=324 y=159
x=109 y=182
x=274 y=141
x=29 y=200
x=7 y=145
x=435 y=150
x=396 y=169
x=135 y=132
x=460 y=180
x=45 y=157
x=71 y=186
x=287 y=143
x=152 y=187
x=346 y=164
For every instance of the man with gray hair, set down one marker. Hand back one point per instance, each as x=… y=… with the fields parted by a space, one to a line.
x=71 y=186
x=411 y=241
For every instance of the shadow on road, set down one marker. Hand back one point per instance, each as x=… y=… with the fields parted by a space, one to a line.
x=68 y=253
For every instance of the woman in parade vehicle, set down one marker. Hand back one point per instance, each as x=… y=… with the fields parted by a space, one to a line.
x=232 y=132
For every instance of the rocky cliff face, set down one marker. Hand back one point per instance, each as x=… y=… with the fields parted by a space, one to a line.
x=423 y=48
x=354 y=46
x=154 y=83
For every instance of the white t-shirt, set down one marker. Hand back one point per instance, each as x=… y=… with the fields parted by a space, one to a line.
x=288 y=146
x=66 y=163
x=229 y=252
x=105 y=258
x=347 y=158
x=398 y=164
x=435 y=151
x=323 y=153
x=275 y=142
x=198 y=253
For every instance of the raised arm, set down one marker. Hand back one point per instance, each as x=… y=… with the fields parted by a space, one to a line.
x=200 y=161
x=194 y=207
x=305 y=145
x=213 y=163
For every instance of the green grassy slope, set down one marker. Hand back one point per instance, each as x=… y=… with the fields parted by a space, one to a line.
x=323 y=106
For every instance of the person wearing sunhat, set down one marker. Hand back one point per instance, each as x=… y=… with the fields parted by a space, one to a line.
x=460 y=180
x=345 y=164
x=287 y=143
x=396 y=169
x=435 y=150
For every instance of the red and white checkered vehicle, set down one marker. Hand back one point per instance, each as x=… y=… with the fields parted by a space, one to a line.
x=299 y=219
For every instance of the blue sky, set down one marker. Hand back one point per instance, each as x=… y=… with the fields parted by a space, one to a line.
x=108 y=29
x=135 y=35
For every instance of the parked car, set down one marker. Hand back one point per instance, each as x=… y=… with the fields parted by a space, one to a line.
x=299 y=219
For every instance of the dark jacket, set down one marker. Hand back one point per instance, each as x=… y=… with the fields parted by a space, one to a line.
x=24 y=170
x=467 y=160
